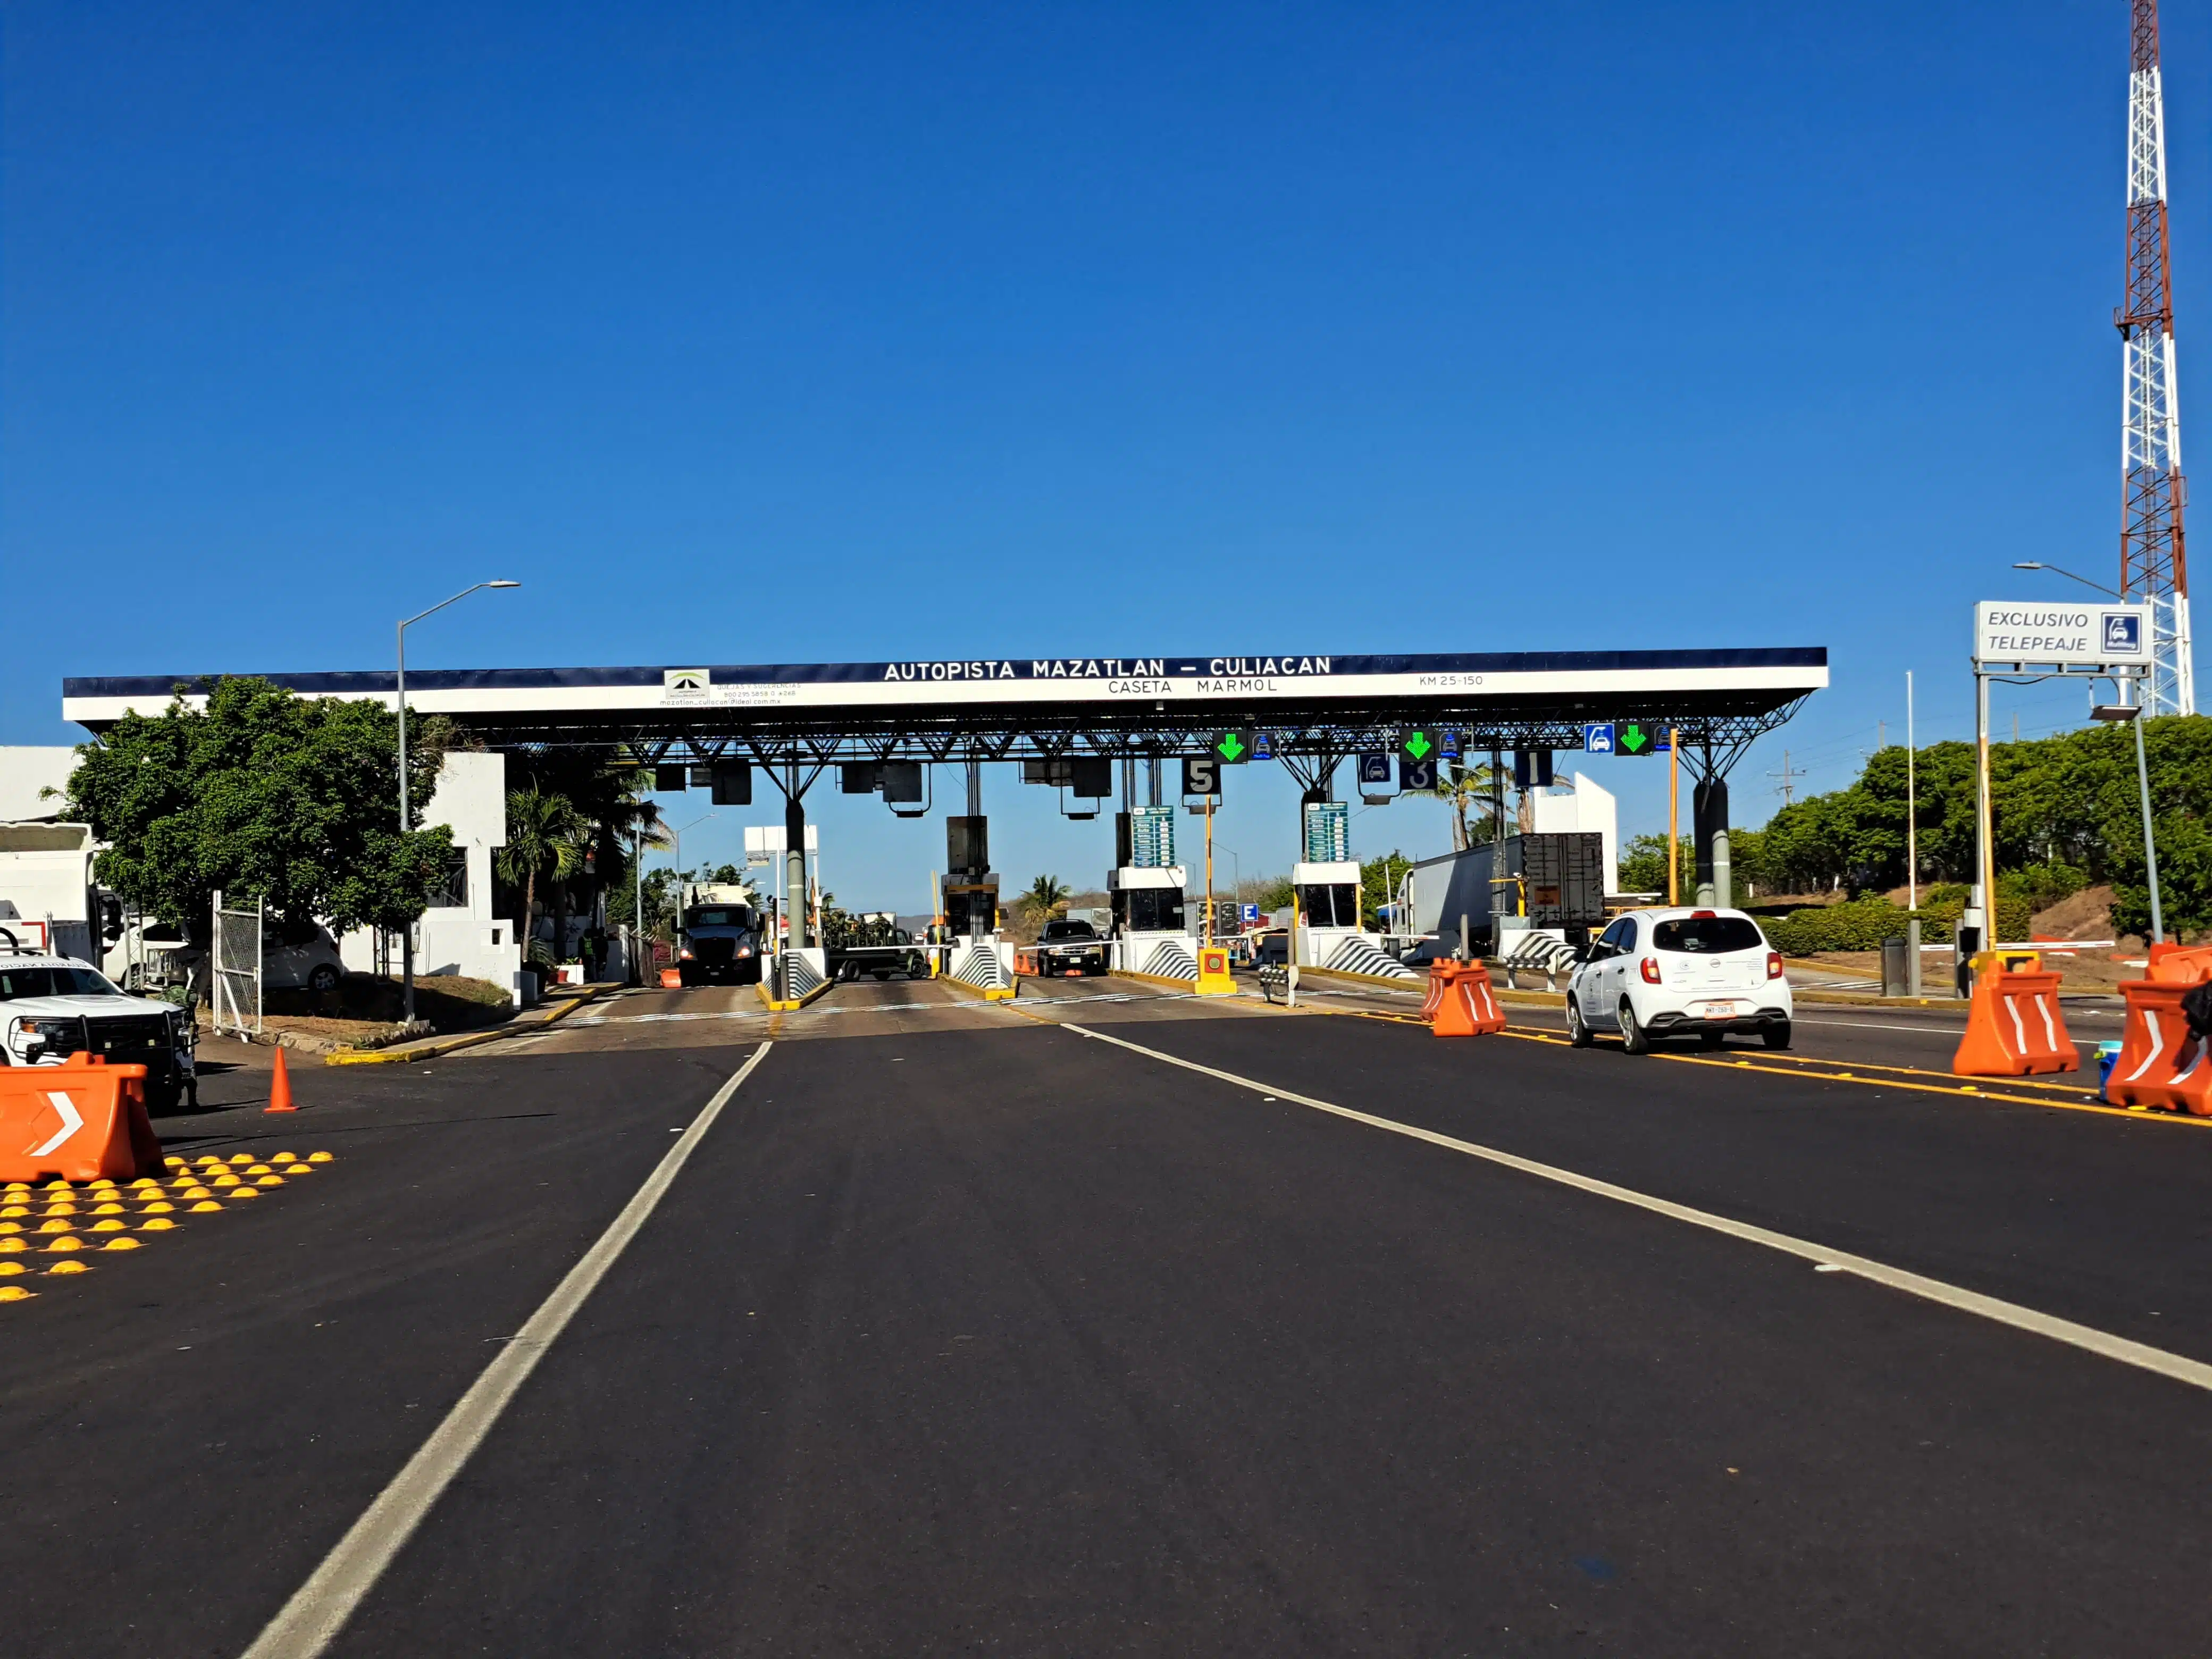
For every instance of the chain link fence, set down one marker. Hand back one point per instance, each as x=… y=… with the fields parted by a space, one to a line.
x=236 y=992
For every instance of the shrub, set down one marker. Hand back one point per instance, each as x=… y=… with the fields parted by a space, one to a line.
x=1864 y=924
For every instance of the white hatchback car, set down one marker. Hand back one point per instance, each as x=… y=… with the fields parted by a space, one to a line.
x=1671 y=973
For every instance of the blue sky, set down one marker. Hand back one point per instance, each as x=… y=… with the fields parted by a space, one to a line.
x=803 y=333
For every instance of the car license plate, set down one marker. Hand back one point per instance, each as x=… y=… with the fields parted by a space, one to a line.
x=1719 y=1010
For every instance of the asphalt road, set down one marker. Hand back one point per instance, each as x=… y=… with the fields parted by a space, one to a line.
x=962 y=1331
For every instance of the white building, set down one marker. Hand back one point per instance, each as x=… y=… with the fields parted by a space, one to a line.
x=1589 y=807
x=461 y=935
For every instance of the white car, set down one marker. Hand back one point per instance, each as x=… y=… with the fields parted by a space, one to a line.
x=1670 y=973
x=52 y=1007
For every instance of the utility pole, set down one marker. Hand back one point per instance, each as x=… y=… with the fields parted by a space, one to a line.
x=1788 y=779
x=2153 y=565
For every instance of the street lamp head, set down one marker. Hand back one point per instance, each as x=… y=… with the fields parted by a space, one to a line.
x=502 y=584
x=2027 y=564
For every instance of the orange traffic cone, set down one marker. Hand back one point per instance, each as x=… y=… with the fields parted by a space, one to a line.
x=280 y=1087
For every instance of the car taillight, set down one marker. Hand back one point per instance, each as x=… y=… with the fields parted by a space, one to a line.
x=686 y=955
x=1650 y=966
x=1774 y=965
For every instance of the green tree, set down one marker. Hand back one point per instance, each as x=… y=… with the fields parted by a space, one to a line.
x=261 y=794
x=1046 y=897
x=543 y=840
x=1378 y=885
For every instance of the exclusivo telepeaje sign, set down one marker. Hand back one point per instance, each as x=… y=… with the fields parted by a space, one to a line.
x=2082 y=636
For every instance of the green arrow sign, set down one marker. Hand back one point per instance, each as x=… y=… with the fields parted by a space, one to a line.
x=1417 y=744
x=1233 y=746
x=1633 y=739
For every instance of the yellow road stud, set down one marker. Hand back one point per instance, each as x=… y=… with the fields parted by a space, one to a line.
x=241 y=1158
x=282 y=1158
x=102 y=1183
x=64 y=1245
x=158 y=1207
x=111 y=1226
x=57 y=1226
x=57 y=1185
x=10 y=1269
x=204 y=1207
x=195 y=1191
x=16 y=1293
x=14 y=1209
x=107 y=1209
x=11 y=1226
x=12 y=1246
x=69 y=1268
x=239 y=1191
x=161 y=1223
x=59 y=1209
x=321 y=1157
x=258 y=1169
x=269 y=1181
x=120 y=1244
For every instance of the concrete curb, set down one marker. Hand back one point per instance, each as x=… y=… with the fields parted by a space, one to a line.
x=982 y=994
x=1189 y=984
x=432 y=1047
x=794 y=1005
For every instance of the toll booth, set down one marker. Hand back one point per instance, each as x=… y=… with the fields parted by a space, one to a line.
x=1329 y=933
x=1150 y=935
x=971 y=904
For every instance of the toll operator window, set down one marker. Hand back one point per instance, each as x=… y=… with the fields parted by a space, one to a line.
x=1154 y=911
x=1336 y=905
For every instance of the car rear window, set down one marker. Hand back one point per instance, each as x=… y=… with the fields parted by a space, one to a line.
x=1058 y=930
x=1708 y=936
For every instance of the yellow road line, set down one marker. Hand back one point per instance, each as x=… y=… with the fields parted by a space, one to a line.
x=1767 y=1063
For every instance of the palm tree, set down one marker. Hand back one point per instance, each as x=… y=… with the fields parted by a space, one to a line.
x=544 y=838
x=1046 y=897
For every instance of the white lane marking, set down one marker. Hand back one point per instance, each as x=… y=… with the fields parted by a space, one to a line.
x=72 y=1120
x=319 y=1609
x=2181 y=1369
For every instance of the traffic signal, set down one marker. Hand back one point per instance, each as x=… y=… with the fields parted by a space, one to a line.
x=1417 y=745
x=1635 y=738
x=1231 y=748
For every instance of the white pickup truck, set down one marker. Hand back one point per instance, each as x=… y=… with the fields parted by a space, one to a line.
x=52 y=1007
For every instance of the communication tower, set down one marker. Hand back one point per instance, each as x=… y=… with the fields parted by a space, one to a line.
x=2153 y=566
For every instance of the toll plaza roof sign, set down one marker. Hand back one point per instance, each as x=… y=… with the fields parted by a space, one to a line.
x=1018 y=708
x=2082 y=639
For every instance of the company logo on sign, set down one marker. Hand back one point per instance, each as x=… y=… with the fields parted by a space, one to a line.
x=685 y=679
x=2123 y=633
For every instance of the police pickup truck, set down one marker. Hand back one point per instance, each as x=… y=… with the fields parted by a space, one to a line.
x=53 y=1007
x=1066 y=949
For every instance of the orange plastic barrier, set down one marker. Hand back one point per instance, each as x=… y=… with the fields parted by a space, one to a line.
x=671 y=979
x=1025 y=959
x=1439 y=976
x=2015 y=1027
x=2179 y=964
x=2144 y=1074
x=79 y=1120
x=1465 y=1003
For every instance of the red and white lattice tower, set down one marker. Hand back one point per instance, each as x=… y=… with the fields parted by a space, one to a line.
x=2153 y=567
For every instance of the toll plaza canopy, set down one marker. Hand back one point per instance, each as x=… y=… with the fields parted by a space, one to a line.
x=1317 y=709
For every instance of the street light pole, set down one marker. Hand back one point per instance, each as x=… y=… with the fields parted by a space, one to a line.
x=2038 y=564
x=676 y=853
x=406 y=823
x=2133 y=714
